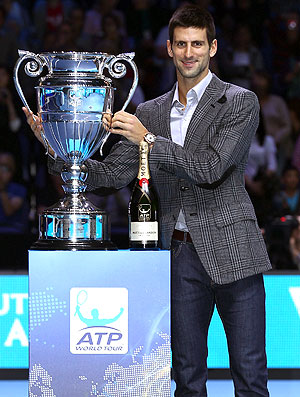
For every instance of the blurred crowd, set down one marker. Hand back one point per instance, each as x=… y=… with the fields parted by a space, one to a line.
x=258 y=48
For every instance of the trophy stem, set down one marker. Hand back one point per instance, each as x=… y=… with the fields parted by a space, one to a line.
x=74 y=176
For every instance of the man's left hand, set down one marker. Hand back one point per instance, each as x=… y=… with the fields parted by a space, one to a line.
x=129 y=126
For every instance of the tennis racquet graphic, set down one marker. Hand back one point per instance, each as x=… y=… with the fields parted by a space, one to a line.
x=81 y=299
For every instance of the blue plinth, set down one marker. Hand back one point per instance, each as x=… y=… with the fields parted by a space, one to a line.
x=99 y=323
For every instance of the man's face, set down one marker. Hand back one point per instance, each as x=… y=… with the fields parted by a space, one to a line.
x=191 y=52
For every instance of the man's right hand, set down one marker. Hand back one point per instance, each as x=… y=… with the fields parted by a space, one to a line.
x=35 y=123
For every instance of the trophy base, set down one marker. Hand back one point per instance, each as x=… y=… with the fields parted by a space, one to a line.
x=62 y=245
x=66 y=227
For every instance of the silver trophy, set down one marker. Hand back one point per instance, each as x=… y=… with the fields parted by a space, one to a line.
x=75 y=101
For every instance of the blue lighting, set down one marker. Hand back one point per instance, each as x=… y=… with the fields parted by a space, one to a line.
x=283 y=322
x=13 y=321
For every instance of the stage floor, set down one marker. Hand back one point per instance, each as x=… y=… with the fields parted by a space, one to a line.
x=216 y=388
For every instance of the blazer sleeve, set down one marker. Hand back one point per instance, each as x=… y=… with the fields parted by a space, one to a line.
x=227 y=148
x=117 y=170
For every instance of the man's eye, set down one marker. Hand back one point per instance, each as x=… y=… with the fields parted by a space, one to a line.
x=197 y=43
x=180 y=44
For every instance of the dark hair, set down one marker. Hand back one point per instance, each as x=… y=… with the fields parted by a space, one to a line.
x=193 y=16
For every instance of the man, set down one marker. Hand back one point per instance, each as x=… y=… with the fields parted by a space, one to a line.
x=200 y=134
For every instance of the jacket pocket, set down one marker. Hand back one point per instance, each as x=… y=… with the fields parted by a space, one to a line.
x=230 y=213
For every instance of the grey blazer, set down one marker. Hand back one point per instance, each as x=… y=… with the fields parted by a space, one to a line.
x=205 y=178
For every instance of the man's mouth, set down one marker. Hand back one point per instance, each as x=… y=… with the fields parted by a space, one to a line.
x=188 y=64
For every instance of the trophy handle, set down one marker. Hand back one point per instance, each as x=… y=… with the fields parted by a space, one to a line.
x=117 y=69
x=32 y=69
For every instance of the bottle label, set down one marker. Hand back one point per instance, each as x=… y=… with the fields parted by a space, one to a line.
x=144 y=212
x=144 y=231
x=144 y=172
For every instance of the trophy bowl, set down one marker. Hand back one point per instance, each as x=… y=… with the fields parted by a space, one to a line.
x=75 y=101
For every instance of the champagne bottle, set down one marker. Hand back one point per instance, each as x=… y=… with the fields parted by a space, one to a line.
x=143 y=207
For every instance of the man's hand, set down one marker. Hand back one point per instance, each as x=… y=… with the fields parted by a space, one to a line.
x=106 y=121
x=35 y=123
x=129 y=126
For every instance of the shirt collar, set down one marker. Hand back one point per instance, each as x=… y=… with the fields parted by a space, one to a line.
x=198 y=89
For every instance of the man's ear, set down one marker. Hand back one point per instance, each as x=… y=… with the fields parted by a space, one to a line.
x=169 y=48
x=213 y=48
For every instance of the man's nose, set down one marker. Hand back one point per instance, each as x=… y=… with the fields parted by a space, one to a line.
x=188 y=50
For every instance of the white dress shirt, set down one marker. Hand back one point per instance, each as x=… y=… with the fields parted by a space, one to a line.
x=180 y=118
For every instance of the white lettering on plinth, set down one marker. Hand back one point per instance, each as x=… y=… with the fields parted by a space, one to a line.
x=16 y=333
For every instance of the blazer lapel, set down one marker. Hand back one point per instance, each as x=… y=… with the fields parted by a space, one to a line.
x=205 y=112
x=164 y=109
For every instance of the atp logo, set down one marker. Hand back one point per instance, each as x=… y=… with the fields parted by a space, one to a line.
x=98 y=320
x=144 y=212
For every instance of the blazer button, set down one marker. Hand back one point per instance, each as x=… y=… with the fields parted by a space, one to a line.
x=184 y=188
